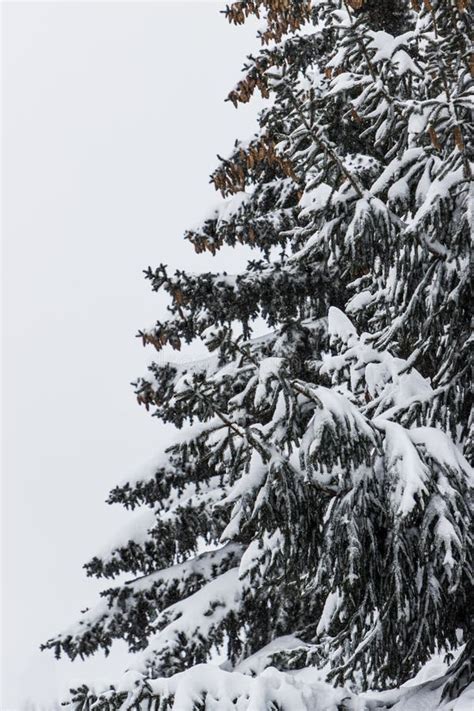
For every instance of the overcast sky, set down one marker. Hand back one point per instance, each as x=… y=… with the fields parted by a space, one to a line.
x=112 y=117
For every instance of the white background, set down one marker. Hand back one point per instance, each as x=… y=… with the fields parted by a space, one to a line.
x=112 y=117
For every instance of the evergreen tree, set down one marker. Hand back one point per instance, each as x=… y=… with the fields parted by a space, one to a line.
x=314 y=509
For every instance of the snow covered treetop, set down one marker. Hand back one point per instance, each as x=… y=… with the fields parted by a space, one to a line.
x=312 y=521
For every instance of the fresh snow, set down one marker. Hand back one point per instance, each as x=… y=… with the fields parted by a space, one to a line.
x=302 y=690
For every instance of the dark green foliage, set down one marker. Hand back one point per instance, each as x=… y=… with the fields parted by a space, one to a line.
x=322 y=462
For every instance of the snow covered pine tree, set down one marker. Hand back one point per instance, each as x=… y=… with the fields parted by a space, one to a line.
x=312 y=520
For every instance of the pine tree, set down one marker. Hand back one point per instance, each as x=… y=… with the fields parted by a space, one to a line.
x=314 y=509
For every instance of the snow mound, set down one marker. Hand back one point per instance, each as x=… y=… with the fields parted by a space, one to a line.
x=208 y=687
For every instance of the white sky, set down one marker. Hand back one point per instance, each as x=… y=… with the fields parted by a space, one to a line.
x=112 y=116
